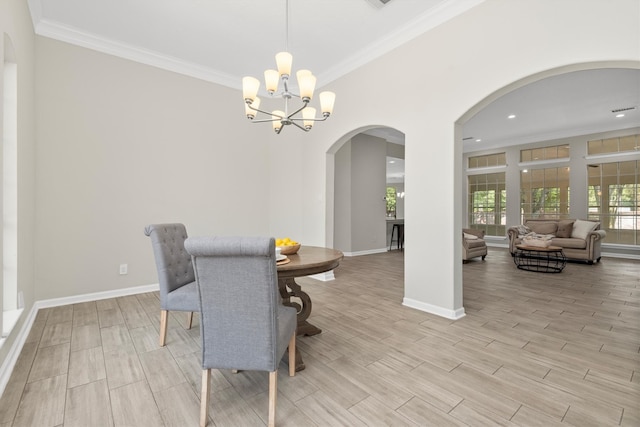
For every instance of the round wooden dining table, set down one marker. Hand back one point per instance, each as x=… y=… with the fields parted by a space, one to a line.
x=307 y=261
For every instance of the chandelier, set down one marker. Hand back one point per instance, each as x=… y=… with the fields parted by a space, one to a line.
x=302 y=115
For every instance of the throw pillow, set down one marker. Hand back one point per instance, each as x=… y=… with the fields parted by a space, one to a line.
x=582 y=228
x=565 y=228
x=470 y=236
x=543 y=227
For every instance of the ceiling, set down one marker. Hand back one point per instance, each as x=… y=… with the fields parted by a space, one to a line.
x=223 y=40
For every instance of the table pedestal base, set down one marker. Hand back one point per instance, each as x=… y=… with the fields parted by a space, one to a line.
x=290 y=289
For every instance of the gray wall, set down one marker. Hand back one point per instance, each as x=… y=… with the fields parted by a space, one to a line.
x=360 y=182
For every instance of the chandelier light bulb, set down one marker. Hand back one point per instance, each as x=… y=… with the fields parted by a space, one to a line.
x=306 y=84
x=284 y=61
x=327 y=99
x=308 y=116
x=271 y=79
x=250 y=86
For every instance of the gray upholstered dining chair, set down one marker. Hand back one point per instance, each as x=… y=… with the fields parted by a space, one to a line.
x=243 y=324
x=178 y=289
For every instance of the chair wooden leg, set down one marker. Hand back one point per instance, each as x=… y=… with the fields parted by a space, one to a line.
x=164 y=317
x=273 y=393
x=189 y=319
x=204 y=397
x=292 y=355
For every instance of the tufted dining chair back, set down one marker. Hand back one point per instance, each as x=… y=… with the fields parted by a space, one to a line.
x=176 y=278
x=243 y=324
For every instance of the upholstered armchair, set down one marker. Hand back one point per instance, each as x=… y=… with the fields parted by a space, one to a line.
x=178 y=289
x=243 y=324
x=473 y=244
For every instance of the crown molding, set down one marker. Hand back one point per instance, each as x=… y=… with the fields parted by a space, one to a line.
x=421 y=24
x=58 y=31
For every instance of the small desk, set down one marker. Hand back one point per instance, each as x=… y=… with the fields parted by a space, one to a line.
x=309 y=260
x=543 y=260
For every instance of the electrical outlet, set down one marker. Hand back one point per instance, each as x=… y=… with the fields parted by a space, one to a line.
x=20 y=300
x=123 y=269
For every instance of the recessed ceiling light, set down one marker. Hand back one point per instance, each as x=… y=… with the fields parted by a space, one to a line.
x=524 y=170
x=392 y=161
x=511 y=116
x=478 y=140
x=619 y=115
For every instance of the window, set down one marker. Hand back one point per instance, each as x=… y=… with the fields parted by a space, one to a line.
x=544 y=193
x=391 y=202
x=488 y=203
x=545 y=153
x=614 y=200
x=614 y=145
x=498 y=159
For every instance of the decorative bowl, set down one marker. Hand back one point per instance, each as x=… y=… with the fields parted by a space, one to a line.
x=289 y=250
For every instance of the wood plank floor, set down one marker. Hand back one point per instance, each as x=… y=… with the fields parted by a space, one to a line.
x=534 y=349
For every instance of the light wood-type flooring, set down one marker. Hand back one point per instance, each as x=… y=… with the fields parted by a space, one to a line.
x=534 y=349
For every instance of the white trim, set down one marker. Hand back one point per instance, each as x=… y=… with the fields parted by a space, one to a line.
x=434 y=309
x=367 y=252
x=443 y=12
x=496 y=244
x=14 y=352
x=325 y=277
x=622 y=155
x=12 y=355
x=620 y=255
x=544 y=162
x=75 y=299
x=71 y=35
x=9 y=320
x=440 y=14
x=485 y=169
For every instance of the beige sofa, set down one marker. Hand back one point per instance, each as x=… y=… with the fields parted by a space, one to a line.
x=579 y=239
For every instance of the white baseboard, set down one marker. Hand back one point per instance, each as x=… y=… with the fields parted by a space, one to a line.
x=325 y=277
x=367 y=252
x=14 y=352
x=622 y=256
x=75 y=299
x=434 y=309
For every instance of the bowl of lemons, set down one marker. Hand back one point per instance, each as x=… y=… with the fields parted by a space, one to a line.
x=287 y=246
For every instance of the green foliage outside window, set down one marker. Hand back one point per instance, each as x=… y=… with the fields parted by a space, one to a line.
x=391 y=202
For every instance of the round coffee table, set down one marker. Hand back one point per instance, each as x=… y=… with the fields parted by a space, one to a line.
x=542 y=260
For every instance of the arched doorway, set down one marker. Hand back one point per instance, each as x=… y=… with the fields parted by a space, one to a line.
x=594 y=90
x=356 y=185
